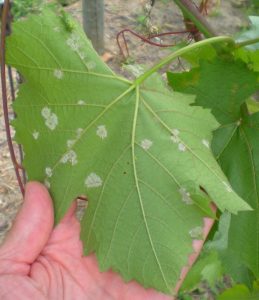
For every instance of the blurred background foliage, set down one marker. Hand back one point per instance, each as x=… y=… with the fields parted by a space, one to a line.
x=20 y=8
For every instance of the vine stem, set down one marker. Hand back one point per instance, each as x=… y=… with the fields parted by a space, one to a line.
x=192 y=13
x=180 y=52
x=4 y=94
x=247 y=43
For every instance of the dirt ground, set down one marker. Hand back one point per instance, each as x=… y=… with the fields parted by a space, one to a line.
x=227 y=18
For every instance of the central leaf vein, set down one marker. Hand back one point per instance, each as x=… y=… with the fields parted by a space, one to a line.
x=138 y=188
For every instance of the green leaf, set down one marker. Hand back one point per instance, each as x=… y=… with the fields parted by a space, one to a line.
x=194 y=57
x=136 y=150
x=251 y=58
x=185 y=81
x=240 y=292
x=253 y=106
x=220 y=239
x=243 y=147
x=225 y=86
x=207 y=268
x=229 y=259
x=220 y=85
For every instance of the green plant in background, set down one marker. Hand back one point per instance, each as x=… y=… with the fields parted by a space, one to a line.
x=241 y=292
x=143 y=152
x=253 y=8
x=66 y=2
x=21 y=8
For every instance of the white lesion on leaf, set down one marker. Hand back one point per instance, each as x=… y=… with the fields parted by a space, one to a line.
x=45 y=112
x=56 y=29
x=181 y=147
x=70 y=157
x=58 y=73
x=102 y=132
x=82 y=55
x=70 y=143
x=206 y=143
x=73 y=44
x=52 y=122
x=79 y=132
x=175 y=136
x=76 y=45
x=91 y=65
x=48 y=172
x=51 y=119
x=146 y=144
x=186 y=197
x=81 y=102
x=176 y=139
x=93 y=181
x=196 y=233
x=35 y=134
x=47 y=184
x=175 y=131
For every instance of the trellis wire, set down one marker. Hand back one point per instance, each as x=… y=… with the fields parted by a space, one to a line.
x=5 y=27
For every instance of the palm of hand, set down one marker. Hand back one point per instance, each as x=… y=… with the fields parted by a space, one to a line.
x=39 y=262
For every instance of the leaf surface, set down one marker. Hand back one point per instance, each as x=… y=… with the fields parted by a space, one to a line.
x=225 y=87
x=243 y=147
x=139 y=153
x=240 y=292
x=220 y=85
x=207 y=268
x=250 y=57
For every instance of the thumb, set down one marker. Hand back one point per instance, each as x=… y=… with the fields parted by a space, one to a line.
x=32 y=227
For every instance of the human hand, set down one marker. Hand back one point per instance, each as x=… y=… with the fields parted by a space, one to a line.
x=39 y=262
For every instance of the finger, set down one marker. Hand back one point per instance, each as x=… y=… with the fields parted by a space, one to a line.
x=70 y=214
x=65 y=238
x=32 y=227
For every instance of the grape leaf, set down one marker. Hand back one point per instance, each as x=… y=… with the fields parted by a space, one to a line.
x=240 y=292
x=252 y=105
x=207 y=268
x=139 y=153
x=220 y=85
x=185 y=81
x=207 y=52
x=251 y=58
x=243 y=147
x=229 y=259
x=235 y=144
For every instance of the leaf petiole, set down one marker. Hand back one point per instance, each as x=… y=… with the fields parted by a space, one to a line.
x=180 y=52
x=247 y=43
